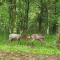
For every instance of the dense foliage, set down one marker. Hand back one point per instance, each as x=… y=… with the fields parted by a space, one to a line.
x=30 y=16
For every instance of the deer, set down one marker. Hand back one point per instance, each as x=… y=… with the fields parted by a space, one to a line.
x=38 y=37
x=14 y=36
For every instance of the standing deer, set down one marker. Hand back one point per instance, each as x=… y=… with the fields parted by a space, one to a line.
x=37 y=37
x=15 y=36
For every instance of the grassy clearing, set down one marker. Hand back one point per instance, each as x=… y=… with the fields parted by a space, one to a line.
x=41 y=50
x=25 y=46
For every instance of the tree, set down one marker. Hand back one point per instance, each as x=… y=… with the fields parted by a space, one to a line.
x=12 y=14
x=23 y=9
x=57 y=3
x=26 y=16
x=43 y=18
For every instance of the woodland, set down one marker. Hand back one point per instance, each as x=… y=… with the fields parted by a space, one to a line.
x=29 y=17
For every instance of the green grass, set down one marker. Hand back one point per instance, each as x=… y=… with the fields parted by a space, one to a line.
x=29 y=46
x=21 y=48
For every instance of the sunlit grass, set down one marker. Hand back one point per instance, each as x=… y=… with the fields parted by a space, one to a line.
x=21 y=48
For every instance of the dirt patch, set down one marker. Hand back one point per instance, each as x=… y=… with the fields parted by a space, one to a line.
x=26 y=56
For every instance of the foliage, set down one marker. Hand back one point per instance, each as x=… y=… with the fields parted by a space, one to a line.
x=30 y=16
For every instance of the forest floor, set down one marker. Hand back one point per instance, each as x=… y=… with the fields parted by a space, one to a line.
x=27 y=56
x=27 y=51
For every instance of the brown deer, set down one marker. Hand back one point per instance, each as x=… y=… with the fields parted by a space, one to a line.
x=38 y=37
x=26 y=37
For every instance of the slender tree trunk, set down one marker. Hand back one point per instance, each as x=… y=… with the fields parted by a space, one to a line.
x=58 y=37
x=58 y=33
x=43 y=22
x=26 y=16
x=48 y=29
x=12 y=14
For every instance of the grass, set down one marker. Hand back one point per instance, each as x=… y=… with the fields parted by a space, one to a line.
x=28 y=46
x=16 y=48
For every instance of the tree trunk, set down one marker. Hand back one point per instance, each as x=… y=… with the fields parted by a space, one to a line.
x=43 y=21
x=25 y=29
x=58 y=37
x=58 y=30
x=12 y=14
